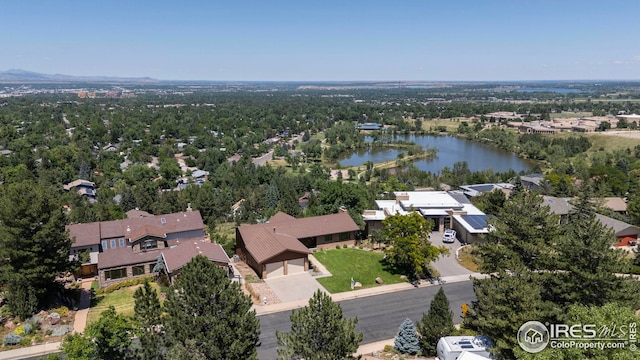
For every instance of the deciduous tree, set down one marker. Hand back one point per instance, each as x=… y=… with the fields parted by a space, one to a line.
x=411 y=251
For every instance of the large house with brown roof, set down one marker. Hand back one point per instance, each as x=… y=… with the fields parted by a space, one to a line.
x=281 y=246
x=131 y=247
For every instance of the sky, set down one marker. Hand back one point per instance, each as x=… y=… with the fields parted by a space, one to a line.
x=325 y=40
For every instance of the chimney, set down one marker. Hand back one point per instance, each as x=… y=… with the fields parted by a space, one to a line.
x=274 y=229
x=189 y=207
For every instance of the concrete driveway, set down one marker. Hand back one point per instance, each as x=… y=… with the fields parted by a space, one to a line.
x=294 y=287
x=448 y=265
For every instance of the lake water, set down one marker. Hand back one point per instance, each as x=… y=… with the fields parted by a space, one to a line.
x=450 y=150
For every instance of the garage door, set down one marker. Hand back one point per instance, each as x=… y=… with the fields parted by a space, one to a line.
x=275 y=269
x=295 y=266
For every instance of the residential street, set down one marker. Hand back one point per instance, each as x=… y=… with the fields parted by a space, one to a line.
x=379 y=316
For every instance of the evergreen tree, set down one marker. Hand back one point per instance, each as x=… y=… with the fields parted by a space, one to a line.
x=524 y=236
x=34 y=246
x=505 y=302
x=319 y=331
x=438 y=322
x=589 y=262
x=407 y=340
x=518 y=187
x=147 y=313
x=205 y=307
x=21 y=297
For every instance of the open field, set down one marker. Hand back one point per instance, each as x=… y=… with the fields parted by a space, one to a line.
x=121 y=299
x=346 y=264
x=614 y=140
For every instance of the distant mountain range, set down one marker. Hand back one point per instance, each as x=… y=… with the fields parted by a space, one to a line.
x=23 y=76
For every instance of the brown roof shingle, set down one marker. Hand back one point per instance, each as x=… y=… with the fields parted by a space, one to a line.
x=174 y=257
x=265 y=241
x=92 y=233
x=177 y=257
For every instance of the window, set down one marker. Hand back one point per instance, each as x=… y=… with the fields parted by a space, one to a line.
x=149 y=245
x=328 y=238
x=113 y=243
x=121 y=242
x=104 y=245
x=138 y=270
x=115 y=274
x=345 y=236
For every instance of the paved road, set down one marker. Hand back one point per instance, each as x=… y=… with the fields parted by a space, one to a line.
x=259 y=161
x=378 y=316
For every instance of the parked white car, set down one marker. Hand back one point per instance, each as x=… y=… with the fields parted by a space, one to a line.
x=449 y=236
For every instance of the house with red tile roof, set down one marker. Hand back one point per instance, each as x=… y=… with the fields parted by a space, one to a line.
x=131 y=247
x=281 y=246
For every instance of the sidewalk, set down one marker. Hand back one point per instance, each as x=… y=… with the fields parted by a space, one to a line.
x=31 y=351
x=374 y=346
x=80 y=321
x=354 y=294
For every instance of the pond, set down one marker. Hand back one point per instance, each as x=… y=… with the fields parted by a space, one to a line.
x=451 y=149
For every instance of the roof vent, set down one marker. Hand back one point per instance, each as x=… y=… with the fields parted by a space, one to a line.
x=163 y=220
x=274 y=229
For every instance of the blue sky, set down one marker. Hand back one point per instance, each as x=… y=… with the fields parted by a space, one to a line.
x=325 y=40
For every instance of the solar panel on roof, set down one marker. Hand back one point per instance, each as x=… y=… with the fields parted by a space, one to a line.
x=482 y=188
x=477 y=222
x=467 y=346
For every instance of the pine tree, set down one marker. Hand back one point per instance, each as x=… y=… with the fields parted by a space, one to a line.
x=407 y=340
x=208 y=309
x=590 y=265
x=505 y=302
x=523 y=239
x=147 y=312
x=319 y=331
x=34 y=246
x=438 y=322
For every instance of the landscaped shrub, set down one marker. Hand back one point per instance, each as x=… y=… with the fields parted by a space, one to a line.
x=28 y=328
x=61 y=330
x=62 y=310
x=11 y=339
x=19 y=330
x=123 y=284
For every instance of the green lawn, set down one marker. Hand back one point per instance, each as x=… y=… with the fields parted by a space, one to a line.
x=361 y=265
x=121 y=299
